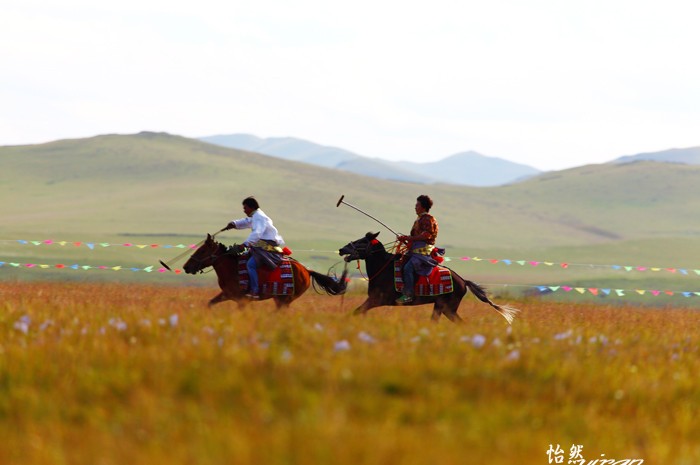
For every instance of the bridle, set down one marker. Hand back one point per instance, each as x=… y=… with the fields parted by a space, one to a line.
x=214 y=256
x=354 y=250
x=365 y=250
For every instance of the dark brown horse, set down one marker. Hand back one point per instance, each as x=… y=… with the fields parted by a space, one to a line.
x=225 y=263
x=381 y=290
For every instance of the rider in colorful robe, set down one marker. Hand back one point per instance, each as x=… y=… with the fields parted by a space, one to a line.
x=421 y=242
x=264 y=242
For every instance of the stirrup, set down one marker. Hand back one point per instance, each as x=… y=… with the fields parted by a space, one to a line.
x=404 y=299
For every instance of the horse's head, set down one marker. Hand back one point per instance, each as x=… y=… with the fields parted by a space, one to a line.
x=360 y=249
x=204 y=256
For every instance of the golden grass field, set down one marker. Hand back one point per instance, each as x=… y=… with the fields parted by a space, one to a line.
x=102 y=374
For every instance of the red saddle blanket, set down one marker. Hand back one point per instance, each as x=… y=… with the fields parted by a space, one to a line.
x=439 y=281
x=279 y=281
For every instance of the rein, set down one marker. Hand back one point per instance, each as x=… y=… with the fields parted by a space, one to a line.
x=213 y=257
x=396 y=247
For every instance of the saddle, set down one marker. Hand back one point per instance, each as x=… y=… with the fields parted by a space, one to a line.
x=438 y=282
x=279 y=281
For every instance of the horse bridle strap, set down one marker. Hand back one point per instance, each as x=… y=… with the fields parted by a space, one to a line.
x=214 y=257
x=370 y=278
x=366 y=250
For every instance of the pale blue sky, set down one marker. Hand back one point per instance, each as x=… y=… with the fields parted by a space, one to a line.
x=547 y=83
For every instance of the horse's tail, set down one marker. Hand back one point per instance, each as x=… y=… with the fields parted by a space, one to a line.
x=330 y=284
x=506 y=311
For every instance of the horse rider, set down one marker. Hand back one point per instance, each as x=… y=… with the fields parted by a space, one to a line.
x=264 y=242
x=420 y=242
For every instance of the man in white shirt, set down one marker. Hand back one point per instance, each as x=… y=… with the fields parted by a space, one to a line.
x=264 y=242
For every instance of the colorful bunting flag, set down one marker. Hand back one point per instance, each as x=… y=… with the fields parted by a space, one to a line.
x=61 y=266
x=534 y=263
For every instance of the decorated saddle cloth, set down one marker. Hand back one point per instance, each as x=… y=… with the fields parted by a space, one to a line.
x=279 y=281
x=439 y=281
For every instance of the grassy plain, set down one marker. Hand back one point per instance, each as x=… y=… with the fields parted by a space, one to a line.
x=144 y=374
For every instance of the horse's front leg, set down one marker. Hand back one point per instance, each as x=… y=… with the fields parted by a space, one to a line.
x=364 y=308
x=219 y=298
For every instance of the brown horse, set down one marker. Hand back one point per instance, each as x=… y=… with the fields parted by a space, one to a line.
x=381 y=291
x=225 y=263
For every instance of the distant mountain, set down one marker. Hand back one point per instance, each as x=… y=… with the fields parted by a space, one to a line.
x=473 y=169
x=690 y=156
x=287 y=148
x=384 y=169
x=467 y=168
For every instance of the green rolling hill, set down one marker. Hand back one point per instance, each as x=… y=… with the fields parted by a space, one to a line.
x=164 y=189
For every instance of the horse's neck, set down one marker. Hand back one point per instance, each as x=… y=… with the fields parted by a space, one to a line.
x=378 y=260
x=225 y=260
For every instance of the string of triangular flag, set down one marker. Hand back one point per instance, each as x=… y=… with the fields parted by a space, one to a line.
x=567 y=265
x=75 y=266
x=615 y=292
x=541 y=289
x=92 y=245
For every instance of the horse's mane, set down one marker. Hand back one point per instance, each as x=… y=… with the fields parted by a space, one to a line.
x=223 y=249
x=383 y=249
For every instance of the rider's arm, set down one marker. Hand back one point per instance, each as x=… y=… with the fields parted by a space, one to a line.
x=243 y=223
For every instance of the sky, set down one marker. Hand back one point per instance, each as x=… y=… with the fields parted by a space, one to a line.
x=552 y=84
